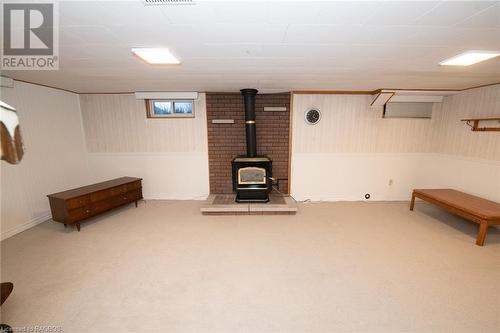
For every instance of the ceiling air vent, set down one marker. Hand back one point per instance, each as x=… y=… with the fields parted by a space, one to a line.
x=168 y=2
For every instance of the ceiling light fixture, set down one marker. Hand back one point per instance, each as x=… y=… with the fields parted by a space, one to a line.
x=155 y=56
x=469 y=58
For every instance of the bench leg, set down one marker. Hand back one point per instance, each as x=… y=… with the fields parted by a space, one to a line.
x=412 y=204
x=481 y=234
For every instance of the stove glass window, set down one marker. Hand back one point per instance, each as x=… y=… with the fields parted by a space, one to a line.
x=252 y=175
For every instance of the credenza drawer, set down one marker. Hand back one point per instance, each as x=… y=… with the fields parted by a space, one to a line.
x=135 y=194
x=78 y=214
x=108 y=193
x=134 y=186
x=118 y=190
x=78 y=202
x=100 y=195
x=101 y=206
x=127 y=197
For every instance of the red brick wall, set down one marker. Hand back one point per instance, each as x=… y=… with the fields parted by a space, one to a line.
x=225 y=141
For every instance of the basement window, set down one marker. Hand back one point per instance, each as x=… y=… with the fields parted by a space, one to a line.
x=422 y=110
x=169 y=108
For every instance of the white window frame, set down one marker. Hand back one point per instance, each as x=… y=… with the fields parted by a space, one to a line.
x=150 y=108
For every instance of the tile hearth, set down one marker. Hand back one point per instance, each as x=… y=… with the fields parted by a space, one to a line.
x=224 y=204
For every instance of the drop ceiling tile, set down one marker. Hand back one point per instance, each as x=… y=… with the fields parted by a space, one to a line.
x=400 y=12
x=108 y=13
x=240 y=12
x=87 y=34
x=452 y=12
x=348 y=35
x=200 y=13
x=125 y=12
x=293 y=12
x=80 y=13
x=243 y=33
x=322 y=34
x=489 y=18
x=460 y=38
x=156 y=35
x=68 y=51
x=346 y=12
x=101 y=63
x=221 y=50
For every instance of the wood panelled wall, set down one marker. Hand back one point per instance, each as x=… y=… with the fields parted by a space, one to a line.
x=54 y=158
x=453 y=137
x=169 y=154
x=353 y=150
x=350 y=125
x=117 y=123
x=225 y=141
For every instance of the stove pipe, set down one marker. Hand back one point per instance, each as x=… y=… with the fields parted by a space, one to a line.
x=249 y=100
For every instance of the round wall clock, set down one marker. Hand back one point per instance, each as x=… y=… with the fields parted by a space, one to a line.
x=312 y=116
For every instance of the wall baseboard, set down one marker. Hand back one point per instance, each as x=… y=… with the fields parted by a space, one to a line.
x=25 y=226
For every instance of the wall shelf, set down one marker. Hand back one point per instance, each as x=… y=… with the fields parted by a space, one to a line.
x=474 y=124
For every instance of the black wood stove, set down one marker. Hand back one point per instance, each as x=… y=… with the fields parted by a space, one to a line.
x=251 y=173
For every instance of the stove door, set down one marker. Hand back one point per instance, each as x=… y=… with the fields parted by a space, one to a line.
x=251 y=176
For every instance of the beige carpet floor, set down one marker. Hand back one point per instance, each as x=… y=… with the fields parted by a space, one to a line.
x=333 y=267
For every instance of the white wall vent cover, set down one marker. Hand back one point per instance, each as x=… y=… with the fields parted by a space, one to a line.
x=168 y=2
x=386 y=96
x=421 y=110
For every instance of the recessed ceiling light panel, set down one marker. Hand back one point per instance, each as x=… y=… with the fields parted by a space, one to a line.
x=156 y=55
x=469 y=58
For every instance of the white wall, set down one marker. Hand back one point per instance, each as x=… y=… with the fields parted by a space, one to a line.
x=354 y=151
x=171 y=155
x=476 y=176
x=467 y=160
x=54 y=159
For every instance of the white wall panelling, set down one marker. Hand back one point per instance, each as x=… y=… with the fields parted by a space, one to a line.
x=354 y=151
x=169 y=154
x=54 y=159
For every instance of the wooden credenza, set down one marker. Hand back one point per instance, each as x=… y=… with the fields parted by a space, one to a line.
x=75 y=205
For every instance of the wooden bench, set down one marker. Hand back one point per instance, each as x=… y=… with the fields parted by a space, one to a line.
x=481 y=211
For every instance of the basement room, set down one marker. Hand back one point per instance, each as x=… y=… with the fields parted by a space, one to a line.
x=250 y=166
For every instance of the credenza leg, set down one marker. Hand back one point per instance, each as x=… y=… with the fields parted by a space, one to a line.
x=136 y=204
x=78 y=226
x=65 y=225
x=412 y=204
x=481 y=234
